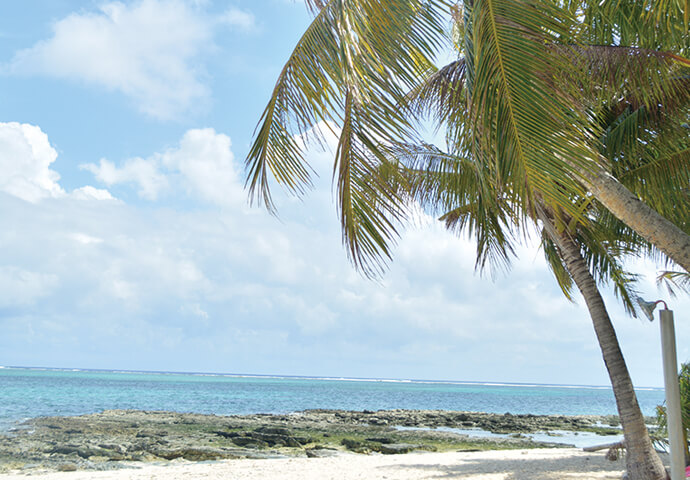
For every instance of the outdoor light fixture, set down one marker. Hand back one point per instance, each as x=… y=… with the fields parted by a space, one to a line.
x=671 y=387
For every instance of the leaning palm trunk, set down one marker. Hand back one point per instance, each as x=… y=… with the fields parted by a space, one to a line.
x=639 y=216
x=642 y=461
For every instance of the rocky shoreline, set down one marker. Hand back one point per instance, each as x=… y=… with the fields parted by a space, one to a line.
x=124 y=438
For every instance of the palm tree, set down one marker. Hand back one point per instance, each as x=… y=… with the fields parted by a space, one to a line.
x=636 y=142
x=519 y=103
x=515 y=52
x=440 y=181
x=533 y=85
x=642 y=462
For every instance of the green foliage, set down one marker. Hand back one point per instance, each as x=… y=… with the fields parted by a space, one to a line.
x=349 y=73
x=674 y=281
x=543 y=94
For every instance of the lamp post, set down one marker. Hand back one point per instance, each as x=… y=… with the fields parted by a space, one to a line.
x=671 y=387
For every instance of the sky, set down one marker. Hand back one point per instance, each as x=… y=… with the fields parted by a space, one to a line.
x=128 y=242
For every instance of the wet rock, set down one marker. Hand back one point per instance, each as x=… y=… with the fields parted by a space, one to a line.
x=112 y=438
x=356 y=446
x=384 y=440
x=249 y=442
x=377 y=421
x=272 y=440
x=397 y=448
x=274 y=431
x=321 y=452
x=191 y=454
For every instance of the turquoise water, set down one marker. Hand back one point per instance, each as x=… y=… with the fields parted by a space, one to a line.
x=26 y=393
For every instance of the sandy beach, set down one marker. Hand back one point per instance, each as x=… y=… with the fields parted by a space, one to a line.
x=532 y=464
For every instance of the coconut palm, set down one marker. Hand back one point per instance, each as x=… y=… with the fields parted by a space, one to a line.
x=528 y=102
x=528 y=71
x=577 y=253
x=537 y=76
x=641 y=459
x=637 y=142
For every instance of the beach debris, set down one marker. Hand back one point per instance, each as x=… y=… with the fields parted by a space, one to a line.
x=596 y=448
x=614 y=450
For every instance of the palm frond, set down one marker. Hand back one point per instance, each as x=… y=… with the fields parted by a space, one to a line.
x=370 y=205
x=555 y=263
x=628 y=77
x=654 y=24
x=452 y=186
x=442 y=97
x=490 y=228
x=315 y=6
x=372 y=49
x=350 y=71
x=654 y=160
x=674 y=281
x=306 y=93
x=523 y=125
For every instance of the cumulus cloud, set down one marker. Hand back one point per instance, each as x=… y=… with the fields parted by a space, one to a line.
x=149 y=50
x=205 y=161
x=25 y=159
x=91 y=193
x=234 y=17
x=202 y=164
x=144 y=173
x=86 y=239
x=258 y=295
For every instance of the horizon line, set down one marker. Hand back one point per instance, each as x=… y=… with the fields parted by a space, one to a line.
x=323 y=377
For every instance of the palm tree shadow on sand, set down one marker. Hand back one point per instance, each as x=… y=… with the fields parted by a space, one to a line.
x=560 y=468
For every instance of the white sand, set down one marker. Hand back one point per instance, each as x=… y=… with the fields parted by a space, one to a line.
x=541 y=464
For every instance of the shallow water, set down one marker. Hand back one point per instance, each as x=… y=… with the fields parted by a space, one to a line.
x=26 y=393
x=563 y=437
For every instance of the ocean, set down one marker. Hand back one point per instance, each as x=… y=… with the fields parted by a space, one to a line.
x=33 y=392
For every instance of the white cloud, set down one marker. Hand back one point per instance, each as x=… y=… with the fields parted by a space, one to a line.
x=234 y=17
x=147 y=50
x=195 y=310
x=19 y=287
x=85 y=239
x=202 y=164
x=91 y=193
x=257 y=295
x=312 y=319
x=25 y=159
x=143 y=172
x=205 y=161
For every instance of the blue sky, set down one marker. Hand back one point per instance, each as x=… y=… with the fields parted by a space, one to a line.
x=128 y=242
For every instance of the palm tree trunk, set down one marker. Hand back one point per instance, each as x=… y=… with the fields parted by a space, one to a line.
x=642 y=461
x=639 y=216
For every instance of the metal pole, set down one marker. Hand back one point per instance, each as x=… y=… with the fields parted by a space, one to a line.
x=675 y=426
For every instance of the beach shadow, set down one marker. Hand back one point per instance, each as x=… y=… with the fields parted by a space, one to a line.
x=522 y=469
